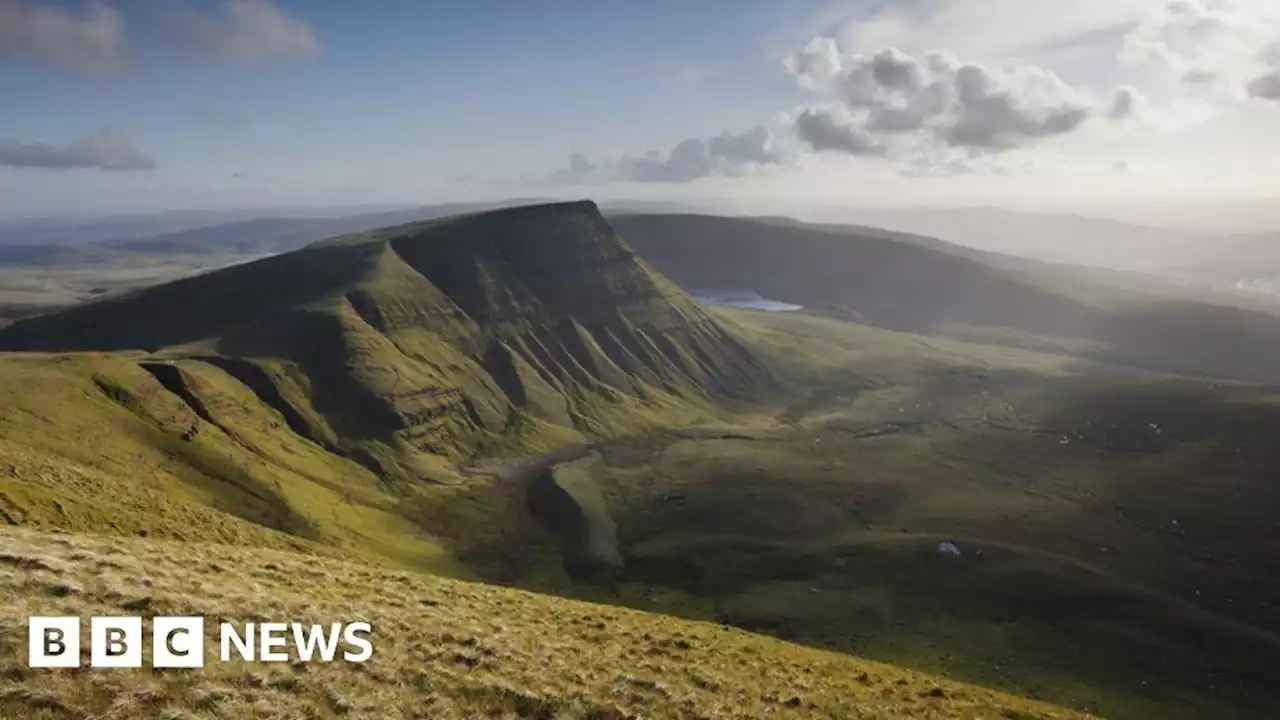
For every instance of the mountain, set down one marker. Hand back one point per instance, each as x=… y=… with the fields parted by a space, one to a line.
x=1247 y=262
x=1052 y=237
x=923 y=285
x=95 y=240
x=437 y=337
x=523 y=397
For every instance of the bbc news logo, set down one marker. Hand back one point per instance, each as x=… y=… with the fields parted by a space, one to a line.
x=179 y=642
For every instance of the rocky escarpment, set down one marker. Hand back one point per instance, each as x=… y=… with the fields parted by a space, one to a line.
x=514 y=328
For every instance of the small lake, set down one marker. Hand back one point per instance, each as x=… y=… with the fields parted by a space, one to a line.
x=1269 y=286
x=744 y=299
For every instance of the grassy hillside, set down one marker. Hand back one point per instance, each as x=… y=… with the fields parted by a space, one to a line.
x=1119 y=551
x=326 y=398
x=96 y=443
x=517 y=397
x=919 y=286
x=512 y=330
x=443 y=649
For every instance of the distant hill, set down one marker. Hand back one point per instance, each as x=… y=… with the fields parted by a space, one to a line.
x=923 y=285
x=1053 y=237
x=1218 y=259
x=254 y=235
x=436 y=337
x=76 y=230
x=245 y=230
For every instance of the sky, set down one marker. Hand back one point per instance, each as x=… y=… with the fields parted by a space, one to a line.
x=115 y=106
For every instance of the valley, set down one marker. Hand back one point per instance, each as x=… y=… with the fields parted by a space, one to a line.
x=533 y=399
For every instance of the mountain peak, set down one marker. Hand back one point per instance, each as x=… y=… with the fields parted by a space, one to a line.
x=439 y=337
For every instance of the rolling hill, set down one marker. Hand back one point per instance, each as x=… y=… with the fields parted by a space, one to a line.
x=523 y=397
x=919 y=285
x=441 y=334
x=354 y=371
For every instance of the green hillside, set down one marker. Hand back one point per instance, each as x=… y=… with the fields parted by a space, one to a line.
x=442 y=649
x=516 y=397
x=513 y=330
x=919 y=285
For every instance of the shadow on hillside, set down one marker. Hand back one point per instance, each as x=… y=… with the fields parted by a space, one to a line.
x=921 y=289
x=1131 y=568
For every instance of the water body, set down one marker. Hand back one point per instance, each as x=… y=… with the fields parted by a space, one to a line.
x=744 y=299
x=1269 y=286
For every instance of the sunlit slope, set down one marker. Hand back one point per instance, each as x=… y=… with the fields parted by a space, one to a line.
x=443 y=649
x=326 y=398
x=96 y=443
x=517 y=329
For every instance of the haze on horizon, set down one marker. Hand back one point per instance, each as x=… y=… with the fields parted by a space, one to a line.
x=1158 y=111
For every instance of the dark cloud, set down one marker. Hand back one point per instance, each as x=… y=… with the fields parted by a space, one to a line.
x=724 y=155
x=1124 y=104
x=823 y=129
x=105 y=150
x=244 y=31
x=894 y=120
x=1266 y=87
x=991 y=116
x=893 y=69
x=91 y=42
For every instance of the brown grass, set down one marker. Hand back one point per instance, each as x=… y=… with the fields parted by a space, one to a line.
x=443 y=648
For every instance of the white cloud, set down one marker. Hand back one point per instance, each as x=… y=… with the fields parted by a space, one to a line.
x=105 y=150
x=246 y=31
x=817 y=64
x=693 y=159
x=1054 y=89
x=934 y=109
x=92 y=43
x=1207 y=48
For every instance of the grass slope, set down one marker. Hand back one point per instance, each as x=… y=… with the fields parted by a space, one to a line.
x=356 y=400
x=443 y=649
x=928 y=287
x=1120 y=551
x=324 y=395
x=443 y=338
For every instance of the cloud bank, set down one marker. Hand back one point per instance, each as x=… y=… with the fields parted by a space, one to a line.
x=723 y=155
x=881 y=95
x=91 y=42
x=245 y=31
x=896 y=105
x=105 y=150
x=1227 y=49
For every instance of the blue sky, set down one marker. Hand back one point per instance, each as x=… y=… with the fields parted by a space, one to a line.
x=483 y=88
x=228 y=103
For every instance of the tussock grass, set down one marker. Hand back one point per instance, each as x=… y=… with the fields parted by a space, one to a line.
x=443 y=648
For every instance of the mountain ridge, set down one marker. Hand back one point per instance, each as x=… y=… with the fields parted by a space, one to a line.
x=437 y=334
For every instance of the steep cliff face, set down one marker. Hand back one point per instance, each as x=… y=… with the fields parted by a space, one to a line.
x=519 y=327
